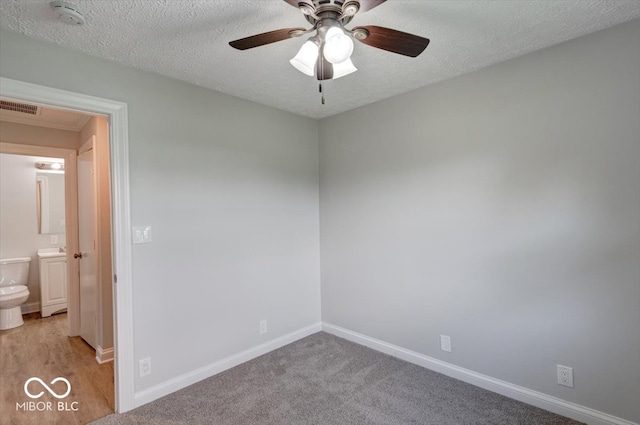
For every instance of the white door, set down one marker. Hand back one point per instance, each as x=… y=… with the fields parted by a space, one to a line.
x=87 y=237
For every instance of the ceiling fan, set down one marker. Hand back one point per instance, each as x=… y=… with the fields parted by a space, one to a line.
x=327 y=53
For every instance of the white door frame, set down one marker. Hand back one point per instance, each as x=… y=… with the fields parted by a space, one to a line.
x=121 y=215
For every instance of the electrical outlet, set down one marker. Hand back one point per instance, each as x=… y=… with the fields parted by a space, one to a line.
x=263 y=326
x=565 y=376
x=445 y=343
x=144 y=367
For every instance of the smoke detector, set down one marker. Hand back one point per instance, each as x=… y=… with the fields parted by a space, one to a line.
x=68 y=13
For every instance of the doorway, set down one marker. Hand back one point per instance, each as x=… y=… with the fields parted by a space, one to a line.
x=37 y=216
x=116 y=112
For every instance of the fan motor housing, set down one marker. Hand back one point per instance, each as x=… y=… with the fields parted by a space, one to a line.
x=338 y=9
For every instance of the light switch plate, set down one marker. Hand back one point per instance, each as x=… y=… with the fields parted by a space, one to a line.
x=141 y=234
x=445 y=343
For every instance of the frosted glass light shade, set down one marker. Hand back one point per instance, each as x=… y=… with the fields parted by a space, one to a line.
x=305 y=60
x=337 y=46
x=343 y=68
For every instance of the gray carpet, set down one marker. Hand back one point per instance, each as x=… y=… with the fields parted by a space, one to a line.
x=323 y=379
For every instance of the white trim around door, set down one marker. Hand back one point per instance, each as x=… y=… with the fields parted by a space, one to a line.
x=121 y=214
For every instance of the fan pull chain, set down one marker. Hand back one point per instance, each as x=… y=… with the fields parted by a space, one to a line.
x=321 y=92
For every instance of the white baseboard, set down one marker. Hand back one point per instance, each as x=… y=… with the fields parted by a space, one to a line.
x=33 y=307
x=186 y=379
x=104 y=355
x=525 y=395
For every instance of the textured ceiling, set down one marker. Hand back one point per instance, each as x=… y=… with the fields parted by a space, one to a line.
x=188 y=40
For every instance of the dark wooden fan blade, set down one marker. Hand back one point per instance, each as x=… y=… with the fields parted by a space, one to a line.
x=369 y=4
x=324 y=68
x=264 y=38
x=395 y=41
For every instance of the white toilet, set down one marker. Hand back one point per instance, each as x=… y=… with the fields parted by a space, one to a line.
x=14 y=275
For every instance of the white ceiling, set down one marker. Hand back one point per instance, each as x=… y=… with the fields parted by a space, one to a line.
x=188 y=40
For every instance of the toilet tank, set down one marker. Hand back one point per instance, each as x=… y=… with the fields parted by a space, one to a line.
x=14 y=271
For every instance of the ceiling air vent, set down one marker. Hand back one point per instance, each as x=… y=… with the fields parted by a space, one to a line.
x=24 y=108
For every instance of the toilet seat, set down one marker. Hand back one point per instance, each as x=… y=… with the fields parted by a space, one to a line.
x=12 y=292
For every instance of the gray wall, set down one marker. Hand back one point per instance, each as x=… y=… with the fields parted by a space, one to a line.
x=501 y=208
x=231 y=190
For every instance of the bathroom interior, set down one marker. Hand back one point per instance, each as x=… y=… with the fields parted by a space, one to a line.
x=35 y=228
x=36 y=269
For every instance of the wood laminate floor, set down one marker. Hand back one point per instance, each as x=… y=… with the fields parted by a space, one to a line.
x=41 y=348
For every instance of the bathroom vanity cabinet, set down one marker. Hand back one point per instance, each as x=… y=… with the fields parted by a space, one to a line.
x=53 y=282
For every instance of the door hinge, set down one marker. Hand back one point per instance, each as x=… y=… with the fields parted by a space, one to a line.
x=115 y=278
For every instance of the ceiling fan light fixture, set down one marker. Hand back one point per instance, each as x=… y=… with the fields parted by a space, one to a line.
x=305 y=60
x=327 y=54
x=343 y=68
x=338 y=46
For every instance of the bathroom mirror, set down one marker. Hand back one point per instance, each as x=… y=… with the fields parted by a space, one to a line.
x=50 y=202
